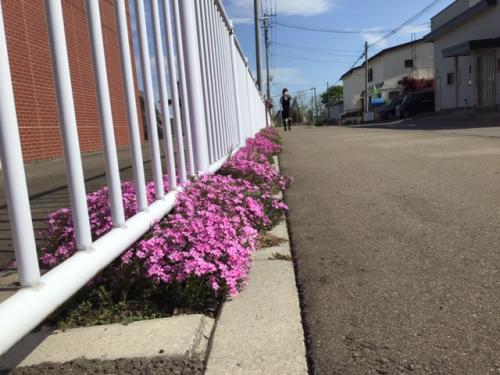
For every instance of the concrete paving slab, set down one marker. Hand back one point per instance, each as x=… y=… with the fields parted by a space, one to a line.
x=270 y=253
x=280 y=230
x=180 y=337
x=260 y=331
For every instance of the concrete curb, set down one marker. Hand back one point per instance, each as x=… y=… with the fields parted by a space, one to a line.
x=180 y=337
x=260 y=331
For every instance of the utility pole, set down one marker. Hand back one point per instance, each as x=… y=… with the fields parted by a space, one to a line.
x=315 y=104
x=258 y=49
x=268 y=57
x=367 y=104
x=328 y=101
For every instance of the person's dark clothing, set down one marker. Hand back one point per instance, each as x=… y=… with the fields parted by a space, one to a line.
x=286 y=106
x=286 y=111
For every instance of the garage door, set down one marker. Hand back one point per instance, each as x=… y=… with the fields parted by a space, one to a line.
x=486 y=80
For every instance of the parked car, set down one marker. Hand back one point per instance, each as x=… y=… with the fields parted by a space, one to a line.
x=415 y=102
x=389 y=112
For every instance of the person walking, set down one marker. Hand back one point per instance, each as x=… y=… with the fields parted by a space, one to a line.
x=286 y=109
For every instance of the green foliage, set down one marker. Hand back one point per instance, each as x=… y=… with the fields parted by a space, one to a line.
x=334 y=94
x=107 y=305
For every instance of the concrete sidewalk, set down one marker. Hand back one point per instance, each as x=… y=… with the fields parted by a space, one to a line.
x=260 y=331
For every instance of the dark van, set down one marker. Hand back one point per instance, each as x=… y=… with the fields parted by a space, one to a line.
x=416 y=102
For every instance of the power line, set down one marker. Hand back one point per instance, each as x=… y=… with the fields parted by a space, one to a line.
x=314 y=51
x=396 y=30
x=316 y=48
x=405 y=24
x=313 y=60
x=334 y=31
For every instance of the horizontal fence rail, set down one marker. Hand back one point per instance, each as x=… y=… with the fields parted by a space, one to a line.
x=200 y=69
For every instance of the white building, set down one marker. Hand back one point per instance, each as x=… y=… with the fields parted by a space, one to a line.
x=354 y=84
x=466 y=37
x=335 y=111
x=385 y=70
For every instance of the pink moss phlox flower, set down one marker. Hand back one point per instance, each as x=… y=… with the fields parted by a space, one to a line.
x=211 y=233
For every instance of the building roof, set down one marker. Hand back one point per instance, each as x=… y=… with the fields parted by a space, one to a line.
x=465 y=48
x=481 y=7
x=382 y=53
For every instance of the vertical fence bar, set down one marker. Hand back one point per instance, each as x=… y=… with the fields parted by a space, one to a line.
x=149 y=99
x=194 y=85
x=216 y=78
x=162 y=87
x=105 y=114
x=210 y=79
x=236 y=87
x=252 y=105
x=227 y=99
x=202 y=47
x=131 y=104
x=183 y=86
x=217 y=49
x=230 y=84
x=67 y=117
x=16 y=191
x=174 y=91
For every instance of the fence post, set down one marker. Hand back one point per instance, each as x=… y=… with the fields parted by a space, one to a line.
x=183 y=87
x=174 y=92
x=208 y=104
x=67 y=118
x=105 y=114
x=162 y=87
x=241 y=138
x=210 y=65
x=132 y=118
x=194 y=84
x=16 y=191
x=149 y=99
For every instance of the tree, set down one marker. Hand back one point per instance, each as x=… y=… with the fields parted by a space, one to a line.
x=334 y=94
x=410 y=84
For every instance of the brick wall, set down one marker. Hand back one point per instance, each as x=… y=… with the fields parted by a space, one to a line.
x=30 y=62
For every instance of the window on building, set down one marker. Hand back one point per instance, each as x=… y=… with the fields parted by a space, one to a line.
x=370 y=75
x=450 y=78
x=409 y=63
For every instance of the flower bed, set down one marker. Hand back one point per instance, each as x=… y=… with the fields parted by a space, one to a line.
x=197 y=255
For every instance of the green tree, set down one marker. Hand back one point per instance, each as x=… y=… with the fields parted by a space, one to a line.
x=334 y=94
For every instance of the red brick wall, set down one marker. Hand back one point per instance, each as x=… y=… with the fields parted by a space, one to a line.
x=33 y=82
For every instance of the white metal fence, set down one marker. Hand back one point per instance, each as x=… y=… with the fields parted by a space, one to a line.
x=221 y=108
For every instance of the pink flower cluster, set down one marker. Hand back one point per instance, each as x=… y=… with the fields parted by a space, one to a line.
x=59 y=237
x=211 y=233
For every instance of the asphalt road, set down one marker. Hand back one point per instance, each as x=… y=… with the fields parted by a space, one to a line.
x=396 y=237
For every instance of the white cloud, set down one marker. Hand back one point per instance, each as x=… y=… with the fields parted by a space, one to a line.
x=373 y=35
x=287 y=76
x=425 y=28
x=242 y=10
x=242 y=21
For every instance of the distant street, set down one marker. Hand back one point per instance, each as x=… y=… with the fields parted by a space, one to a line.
x=396 y=237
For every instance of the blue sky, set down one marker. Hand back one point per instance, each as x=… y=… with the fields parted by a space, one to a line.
x=290 y=46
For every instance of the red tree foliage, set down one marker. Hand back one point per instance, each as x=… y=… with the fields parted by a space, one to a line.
x=410 y=84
